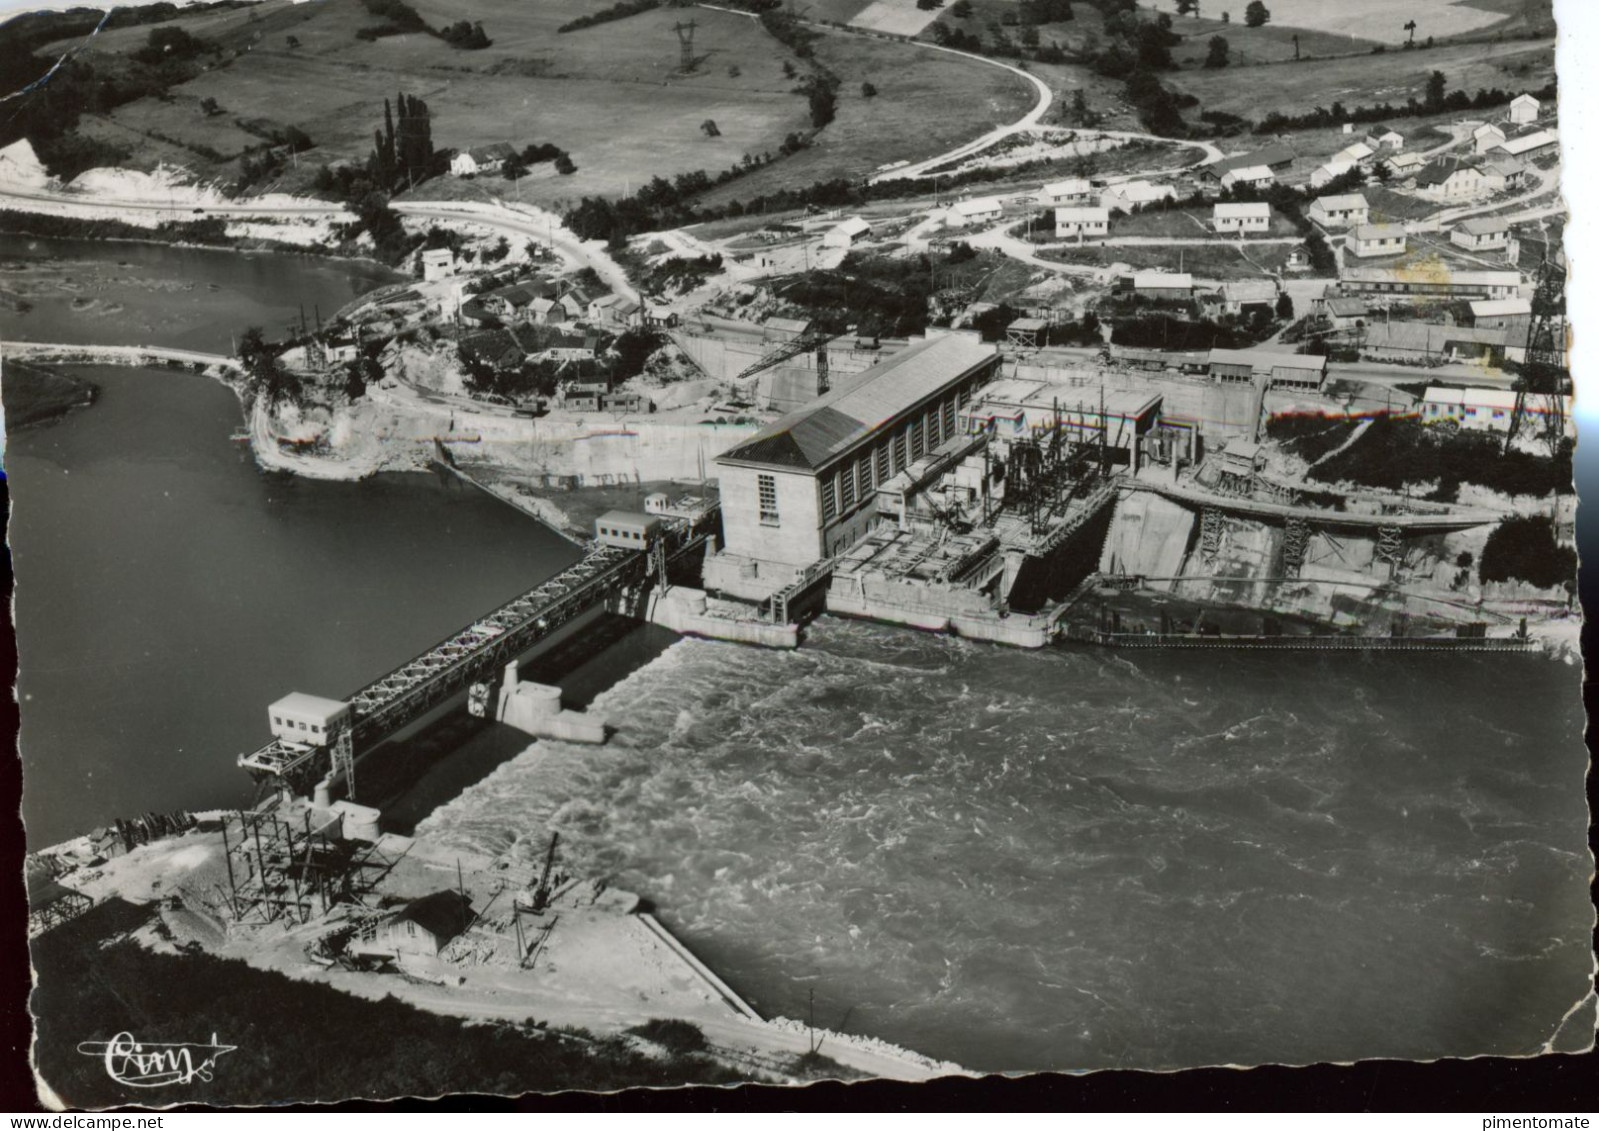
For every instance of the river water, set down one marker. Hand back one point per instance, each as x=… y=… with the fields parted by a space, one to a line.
x=126 y=293
x=1016 y=860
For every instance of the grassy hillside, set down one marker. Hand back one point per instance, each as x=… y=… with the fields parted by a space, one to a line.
x=609 y=94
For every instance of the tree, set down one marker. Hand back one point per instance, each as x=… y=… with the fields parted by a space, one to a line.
x=1030 y=36
x=293 y=42
x=961 y=9
x=209 y=107
x=788 y=70
x=1256 y=14
x=513 y=169
x=868 y=90
x=1410 y=26
x=709 y=126
x=1216 y=57
x=1525 y=549
x=1285 y=307
x=1188 y=8
x=1226 y=17
x=1435 y=89
x=1080 y=105
x=564 y=165
x=733 y=72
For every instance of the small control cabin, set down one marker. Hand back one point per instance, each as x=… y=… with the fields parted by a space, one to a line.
x=627 y=529
x=307 y=719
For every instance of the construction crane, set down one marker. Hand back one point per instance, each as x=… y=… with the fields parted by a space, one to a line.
x=813 y=339
x=1544 y=376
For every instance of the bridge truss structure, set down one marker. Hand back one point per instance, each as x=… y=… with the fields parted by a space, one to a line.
x=404 y=695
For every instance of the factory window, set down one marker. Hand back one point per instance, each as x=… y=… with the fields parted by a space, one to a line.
x=829 y=498
x=935 y=430
x=846 y=492
x=315 y=729
x=302 y=726
x=863 y=474
x=901 y=449
x=882 y=464
x=949 y=418
x=918 y=439
x=277 y=722
x=766 y=485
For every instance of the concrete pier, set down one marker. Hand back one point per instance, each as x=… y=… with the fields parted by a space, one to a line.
x=692 y=613
x=536 y=709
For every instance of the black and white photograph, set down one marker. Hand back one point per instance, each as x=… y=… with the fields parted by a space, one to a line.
x=571 y=546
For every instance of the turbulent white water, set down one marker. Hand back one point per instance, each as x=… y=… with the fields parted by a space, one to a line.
x=1076 y=859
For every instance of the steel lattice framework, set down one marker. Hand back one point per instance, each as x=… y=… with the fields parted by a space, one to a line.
x=403 y=695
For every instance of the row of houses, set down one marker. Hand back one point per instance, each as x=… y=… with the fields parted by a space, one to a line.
x=1511 y=315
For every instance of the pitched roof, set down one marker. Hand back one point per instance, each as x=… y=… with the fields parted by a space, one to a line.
x=1346 y=307
x=1238 y=211
x=1484 y=225
x=1427 y=337
x=1526 y=143
x=1277 y=154
x=808 y=438
x=1500 y=307
x=444 y=914
x=1268 y=359
x=1473 y=398
x=1249 y=173
x=977 y=207
x=1380 y=232
x=1440 y=169
x=1086 y=212
x=854 y=226
x=1342 y=202
x=1378 y=129
x=1163 y=280
x=1072 y=186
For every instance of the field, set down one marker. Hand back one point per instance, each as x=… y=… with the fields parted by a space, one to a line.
x=1207 y=261
x=610 y=94
x=1379 y=20
x=900 y=122
x=1363 y=80
x=1189 y=223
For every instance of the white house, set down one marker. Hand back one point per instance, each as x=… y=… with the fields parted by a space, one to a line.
x=1074 y=190
x=1481 y=233
x=1360 y=153
x=1481 y=410
x=1255 y=176
x=1449 y=179
x=1341 y=211
x=481 y=159
x=1485 y=137
x=1405 y=165
x=968 y=212
x=1254 y=217
x=1163 y=284
x=1376 y=239
x=847 y=233
x=1524 y=109
x=437 y=263
x=1080 y=222
x=1385 y=138
x=1503 y=173
x=1133 y=194
x=1330 y=172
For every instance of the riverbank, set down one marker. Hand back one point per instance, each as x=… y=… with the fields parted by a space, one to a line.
x=594 y=961
x=32 y=395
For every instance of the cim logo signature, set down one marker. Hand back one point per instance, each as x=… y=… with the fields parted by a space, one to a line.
x=149 y=1064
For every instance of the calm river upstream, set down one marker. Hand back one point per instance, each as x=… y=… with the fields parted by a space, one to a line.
x=1066 y=859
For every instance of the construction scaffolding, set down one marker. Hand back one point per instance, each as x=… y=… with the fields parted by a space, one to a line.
x=1296 y=540
x=278 y=870
x=1211 y=526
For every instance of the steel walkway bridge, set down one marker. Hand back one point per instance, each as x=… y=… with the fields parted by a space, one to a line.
x=474 y=653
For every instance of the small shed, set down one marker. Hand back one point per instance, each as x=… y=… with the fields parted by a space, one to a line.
x=426 y=926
